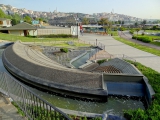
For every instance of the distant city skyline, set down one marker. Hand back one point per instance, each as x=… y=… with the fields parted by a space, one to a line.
x=145 y=9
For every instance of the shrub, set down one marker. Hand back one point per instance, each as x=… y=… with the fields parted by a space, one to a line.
x=131 y=31
x=143 y=38
x=64 y=50
x=56 y=36
x=101 y=61
x=143 y=33
x=122 y=29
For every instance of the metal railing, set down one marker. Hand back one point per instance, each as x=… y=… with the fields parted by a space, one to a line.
x=34 y=107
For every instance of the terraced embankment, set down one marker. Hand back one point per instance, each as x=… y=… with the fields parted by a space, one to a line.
x=30 y=65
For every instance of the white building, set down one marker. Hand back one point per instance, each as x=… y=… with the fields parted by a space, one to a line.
x=5 y=22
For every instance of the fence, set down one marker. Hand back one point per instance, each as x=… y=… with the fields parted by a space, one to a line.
x=34 y=107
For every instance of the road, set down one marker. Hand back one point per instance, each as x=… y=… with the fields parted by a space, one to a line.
x=115 y=47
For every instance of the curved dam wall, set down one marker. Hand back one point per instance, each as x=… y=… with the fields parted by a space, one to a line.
x=20 y=60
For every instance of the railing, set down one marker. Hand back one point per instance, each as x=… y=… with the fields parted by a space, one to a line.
x=34 y=107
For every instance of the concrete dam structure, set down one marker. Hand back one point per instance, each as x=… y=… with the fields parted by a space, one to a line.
x=29 y=64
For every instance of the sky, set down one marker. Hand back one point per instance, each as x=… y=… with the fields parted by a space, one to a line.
x=145 y=9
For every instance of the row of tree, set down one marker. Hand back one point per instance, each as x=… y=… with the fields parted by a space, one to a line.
x=86 y=21
x=16 y=18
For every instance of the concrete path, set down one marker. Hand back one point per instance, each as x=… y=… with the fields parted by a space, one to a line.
x=115 y=47
x=8 y=111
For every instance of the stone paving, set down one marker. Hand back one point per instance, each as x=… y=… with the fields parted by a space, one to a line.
x=115 y=47
x=8 y=111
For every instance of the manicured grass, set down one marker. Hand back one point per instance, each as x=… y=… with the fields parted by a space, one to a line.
x=151 y=38
x=13 y=38
x=152 y=31
x=140 y=47
x=114 y=33
x=156 y=43
x=76 y=44
x=152 y=113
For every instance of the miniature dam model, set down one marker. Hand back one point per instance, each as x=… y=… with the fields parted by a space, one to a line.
x=96 y=82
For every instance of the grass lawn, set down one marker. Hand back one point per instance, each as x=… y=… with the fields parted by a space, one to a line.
x=114 y=33
x=156 y=43
x=14 y=38
x=152 y=31
x=152 y=113
x=59 y=42
x=140 y=47
x=64 y=44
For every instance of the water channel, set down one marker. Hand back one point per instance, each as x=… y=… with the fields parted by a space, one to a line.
x=114 y=105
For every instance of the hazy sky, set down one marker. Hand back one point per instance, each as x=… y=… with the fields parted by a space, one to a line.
x=146 y=9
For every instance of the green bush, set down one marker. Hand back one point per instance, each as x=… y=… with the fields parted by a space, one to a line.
x=143 y=38
x=56 y=36
x=122 y=28
x=101 y=61
x=131 y=31
x=64 y=50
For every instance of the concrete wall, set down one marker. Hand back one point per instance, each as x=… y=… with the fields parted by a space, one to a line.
x=122 y=78
x=21 y=33
x=54 y=31
x=33 y=32
x=17 y=32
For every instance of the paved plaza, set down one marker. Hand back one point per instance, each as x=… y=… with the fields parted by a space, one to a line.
x=115 y=47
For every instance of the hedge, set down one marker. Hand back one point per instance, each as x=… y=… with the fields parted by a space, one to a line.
x=56 y=36
x=143 y=39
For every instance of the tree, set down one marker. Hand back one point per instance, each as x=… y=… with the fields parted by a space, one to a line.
x=2 y=14
x=103 y=21
x=27 y=19
x=14 y=21
x=144 y=22
x=85 y=21
x=119 y=22
x=136 y=24
x=108 y=27
x=137 y=29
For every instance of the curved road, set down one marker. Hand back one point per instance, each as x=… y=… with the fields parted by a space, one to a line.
x=115 y=47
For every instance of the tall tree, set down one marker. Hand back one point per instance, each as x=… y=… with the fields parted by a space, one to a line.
x=2 y=14
x=28 y=19
x=136 y=24
x=103 y=21
x=144 y=22
x=85 y=21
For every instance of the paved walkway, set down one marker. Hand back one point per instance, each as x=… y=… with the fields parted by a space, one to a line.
x=8 y=111
x=115 y=47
